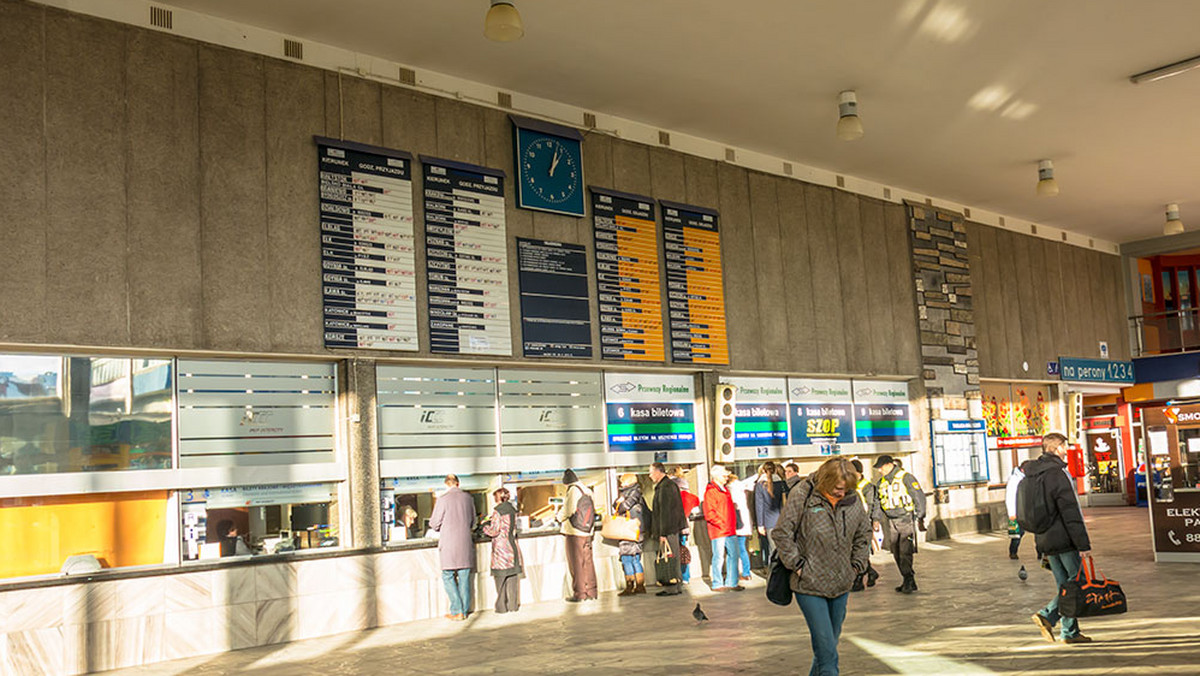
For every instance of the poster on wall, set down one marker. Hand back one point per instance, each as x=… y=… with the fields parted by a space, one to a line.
x=466 y=258
x=649 y=412
x=368 y=280
x=822 y=413
x=760 y=414
x=627 y=276
x=1017 y=415
x=881 y=411
x=556 y=319
x=695 y=286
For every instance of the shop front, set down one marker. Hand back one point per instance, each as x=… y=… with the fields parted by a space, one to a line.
x=1172 y=437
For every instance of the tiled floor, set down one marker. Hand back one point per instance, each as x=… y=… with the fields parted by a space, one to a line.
x=971 y=616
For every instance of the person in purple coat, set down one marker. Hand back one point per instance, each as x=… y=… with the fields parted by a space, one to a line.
x=454 y=518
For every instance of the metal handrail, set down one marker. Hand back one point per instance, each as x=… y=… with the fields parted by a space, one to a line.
x=1175 y=338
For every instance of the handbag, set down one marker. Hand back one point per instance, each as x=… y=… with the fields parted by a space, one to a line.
x=621 y=528
x=779 y=588
x=1090 y=596
x=664 y=571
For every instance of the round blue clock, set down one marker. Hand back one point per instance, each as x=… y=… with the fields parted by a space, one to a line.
x=549 y=167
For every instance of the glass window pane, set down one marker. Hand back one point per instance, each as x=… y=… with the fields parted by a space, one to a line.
x=249 y=520
x=84 y=414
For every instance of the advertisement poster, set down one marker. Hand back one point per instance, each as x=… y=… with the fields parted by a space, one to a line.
x=556 y=319
x=466 y=259
x=631 y=320
x=368 y=280
x=695 y=286
x=822 y=413
x=881 y=411
x=649 y=412
x=761 y=417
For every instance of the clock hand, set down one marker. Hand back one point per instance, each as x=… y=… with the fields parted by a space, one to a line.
x=554 y=162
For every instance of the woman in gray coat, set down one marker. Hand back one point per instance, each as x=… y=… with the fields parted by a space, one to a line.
x=824 y=537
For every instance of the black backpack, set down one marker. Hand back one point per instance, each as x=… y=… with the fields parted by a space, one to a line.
x=1035 y=513
x=584 y=517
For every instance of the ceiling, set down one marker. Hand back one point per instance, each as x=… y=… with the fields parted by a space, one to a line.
x=959 y=98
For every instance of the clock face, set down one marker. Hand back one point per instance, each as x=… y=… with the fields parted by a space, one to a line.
x=550 y=171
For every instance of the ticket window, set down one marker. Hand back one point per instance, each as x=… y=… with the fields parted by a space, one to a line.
x=229 y=522
x=406 y=511
x=538 y=501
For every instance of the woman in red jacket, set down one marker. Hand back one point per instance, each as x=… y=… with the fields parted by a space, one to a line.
x=721 y=515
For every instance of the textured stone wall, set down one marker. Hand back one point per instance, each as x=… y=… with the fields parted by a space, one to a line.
x=945 y=308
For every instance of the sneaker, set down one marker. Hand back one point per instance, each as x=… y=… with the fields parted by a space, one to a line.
x=1078 y=638
x=1044 y=625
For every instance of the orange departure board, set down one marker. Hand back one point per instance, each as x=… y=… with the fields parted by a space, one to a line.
x=631 y=320
x=695 y=286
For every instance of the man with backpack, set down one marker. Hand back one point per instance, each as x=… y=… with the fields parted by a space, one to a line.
x=1048 y=507
x=578 y=518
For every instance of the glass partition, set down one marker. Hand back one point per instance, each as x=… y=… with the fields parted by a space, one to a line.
x=249 y=520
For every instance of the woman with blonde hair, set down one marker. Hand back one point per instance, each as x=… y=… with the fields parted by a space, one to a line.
x=824 y=537
x=631 y=504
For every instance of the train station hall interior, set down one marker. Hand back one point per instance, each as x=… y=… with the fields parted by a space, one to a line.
x=333 y=332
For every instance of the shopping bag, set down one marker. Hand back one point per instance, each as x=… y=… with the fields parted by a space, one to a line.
x=664 y=565
x=779 y=588
x=1091 y=594
x=621 y=528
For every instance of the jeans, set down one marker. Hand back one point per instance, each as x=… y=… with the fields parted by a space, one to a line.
x=824 y=618
x=724 y=562
x=458 y=588
x=764 y=544
x=632 y=564
x=743 y=559
x=685 y=574
x=1065 y=567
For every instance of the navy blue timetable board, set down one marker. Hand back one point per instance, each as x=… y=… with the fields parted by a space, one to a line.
x=556 y=317
x=466 y=258
x=368 y=266
x=695 y=286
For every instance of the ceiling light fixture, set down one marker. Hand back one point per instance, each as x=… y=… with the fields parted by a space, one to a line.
x=1174 y=225
x=503 y=22
x=1046 y=185
x=849 y=126
x=1166 y=71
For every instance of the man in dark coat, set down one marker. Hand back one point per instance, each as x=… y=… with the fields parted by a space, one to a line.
x=1066 y=542
x=667 y=522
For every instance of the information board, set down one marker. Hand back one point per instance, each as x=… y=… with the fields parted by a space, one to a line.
x=881 y=411
x=649 y=412
x=368 y=279
x=695 y=287
x=822 y=413
x=959 y=452
x=761 y=412
x=631 y=322
x=556 y=319
x=466 y=258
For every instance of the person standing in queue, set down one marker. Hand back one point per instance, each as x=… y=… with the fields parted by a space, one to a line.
x=691 y=511
x=721 y=515
x=631 y=504
x=768 y=501
x=824 y=537
x=667 y=522
x=454 y=518
x=578 y=518
x=900 y=501
x=506 y=555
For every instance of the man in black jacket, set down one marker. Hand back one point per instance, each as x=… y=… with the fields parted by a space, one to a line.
x=1066 y=541
x=667 y=521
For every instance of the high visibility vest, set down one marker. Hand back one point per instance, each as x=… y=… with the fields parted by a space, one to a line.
x=894 y=494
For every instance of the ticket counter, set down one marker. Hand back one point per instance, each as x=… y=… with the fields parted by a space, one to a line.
x=1172 y=436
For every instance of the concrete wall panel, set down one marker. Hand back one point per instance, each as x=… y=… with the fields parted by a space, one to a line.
x=982 y=295
x=1010 y=293
x=1057 y=296
x=234 y=244
x=87 y=291
x=163 y=209
x=797 y=301
x=460 y=132
x=827 y=281
x=994 y=323
x=409 y=121
x=701 y=177
x=358 y=104
x=597 y=161
x=295 y=103
x=857 y=316
x=1046 y=339
x=768 y=271
x=23 y=174
x=1026 y=282
x=876 y=273
x=631 y=167
x=741 y=284
x=903 y=292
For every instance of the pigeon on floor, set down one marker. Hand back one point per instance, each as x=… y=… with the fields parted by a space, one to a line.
x=699 y=614
x=1022 y=574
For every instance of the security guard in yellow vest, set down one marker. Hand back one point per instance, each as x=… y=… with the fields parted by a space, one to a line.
x=900 y=501
x=866 y=495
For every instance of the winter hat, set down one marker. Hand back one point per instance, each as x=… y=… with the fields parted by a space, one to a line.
x=569 y=477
